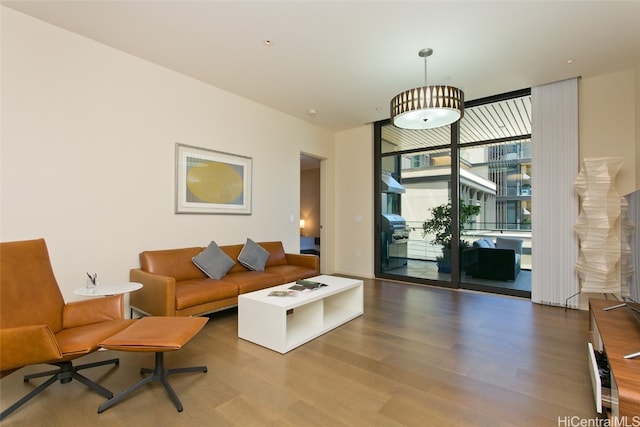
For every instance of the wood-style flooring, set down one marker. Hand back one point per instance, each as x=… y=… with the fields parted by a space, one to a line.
x=419 y=356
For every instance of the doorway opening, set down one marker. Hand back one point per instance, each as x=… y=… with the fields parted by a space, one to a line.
x=310 y=205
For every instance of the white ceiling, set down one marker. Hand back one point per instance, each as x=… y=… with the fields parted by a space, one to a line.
x=347 y=59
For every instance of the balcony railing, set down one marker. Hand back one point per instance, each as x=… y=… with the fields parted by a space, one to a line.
x=421 y=247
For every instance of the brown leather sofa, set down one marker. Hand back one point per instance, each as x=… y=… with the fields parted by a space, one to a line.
x=174 y=286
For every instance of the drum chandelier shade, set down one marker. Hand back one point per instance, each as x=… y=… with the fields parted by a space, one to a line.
x=427 y=107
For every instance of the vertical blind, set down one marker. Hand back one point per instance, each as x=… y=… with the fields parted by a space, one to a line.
x=554 y=136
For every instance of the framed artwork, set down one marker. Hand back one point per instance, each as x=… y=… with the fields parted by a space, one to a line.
x=212 y=182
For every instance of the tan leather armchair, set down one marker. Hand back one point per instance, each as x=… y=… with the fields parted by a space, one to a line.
x=36 y=326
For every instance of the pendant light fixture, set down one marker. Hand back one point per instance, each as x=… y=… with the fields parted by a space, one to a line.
x=427 y=107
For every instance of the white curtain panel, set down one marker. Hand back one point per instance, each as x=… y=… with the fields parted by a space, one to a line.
x=555 y=165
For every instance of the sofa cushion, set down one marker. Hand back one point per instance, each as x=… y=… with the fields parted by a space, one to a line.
x=249 y=281
x=193 y=292
x=509 y=243
x=481 y=243
x=234 y=251
x=490 y=242
x=176 y=263
x=276 y=253
x=213 y=261
x=291 y=273
x=253 y=256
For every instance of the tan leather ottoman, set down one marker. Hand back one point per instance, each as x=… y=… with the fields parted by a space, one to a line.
x=157 y=334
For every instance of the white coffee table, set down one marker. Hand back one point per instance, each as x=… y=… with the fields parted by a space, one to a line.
x=284 y=323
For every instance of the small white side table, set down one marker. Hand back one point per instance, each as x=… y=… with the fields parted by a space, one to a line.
x=105 y=289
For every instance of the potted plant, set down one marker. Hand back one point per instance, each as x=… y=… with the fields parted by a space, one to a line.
x=439 y=225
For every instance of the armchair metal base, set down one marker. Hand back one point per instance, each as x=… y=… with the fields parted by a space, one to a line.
x=65 y=373
x=158 y=373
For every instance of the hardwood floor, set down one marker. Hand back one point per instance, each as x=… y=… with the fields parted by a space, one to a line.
x=419 y=356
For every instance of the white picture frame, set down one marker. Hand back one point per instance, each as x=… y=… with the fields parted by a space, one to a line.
x=212 y=182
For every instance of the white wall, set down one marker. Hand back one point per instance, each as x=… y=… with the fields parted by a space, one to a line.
x=608 y=122
x=354 y=202
x=87 y=154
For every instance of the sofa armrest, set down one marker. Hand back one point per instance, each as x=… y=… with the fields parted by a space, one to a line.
x=497 y=255
x=498 y=264
x=304 y=260
x=157 y=295
x=27 y=345
x=81 y=313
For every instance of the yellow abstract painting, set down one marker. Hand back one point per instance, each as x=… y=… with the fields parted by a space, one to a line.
x=209 y=181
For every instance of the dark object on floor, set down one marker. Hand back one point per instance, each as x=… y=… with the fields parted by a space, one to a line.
x=499 y=261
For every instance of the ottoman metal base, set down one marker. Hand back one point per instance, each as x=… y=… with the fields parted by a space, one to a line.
x=158 y=373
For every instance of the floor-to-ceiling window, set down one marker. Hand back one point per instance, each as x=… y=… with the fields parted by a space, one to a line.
x=476 y=172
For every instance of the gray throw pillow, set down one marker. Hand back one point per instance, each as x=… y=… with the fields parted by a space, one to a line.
x=490 y=243
x=213 y=261
x=480 y=243
x=253 y=256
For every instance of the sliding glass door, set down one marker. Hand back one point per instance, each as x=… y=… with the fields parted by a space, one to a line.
x=415 y=170
x=444 y=192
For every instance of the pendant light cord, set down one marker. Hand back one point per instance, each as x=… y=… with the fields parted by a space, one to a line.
x=425 y=53
x=425 y=70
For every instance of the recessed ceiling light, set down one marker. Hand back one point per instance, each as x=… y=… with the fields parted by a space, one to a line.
x=569 y=61
x=313 y=112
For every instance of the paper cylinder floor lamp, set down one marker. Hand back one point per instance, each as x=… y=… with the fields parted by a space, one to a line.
x=598 y=226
